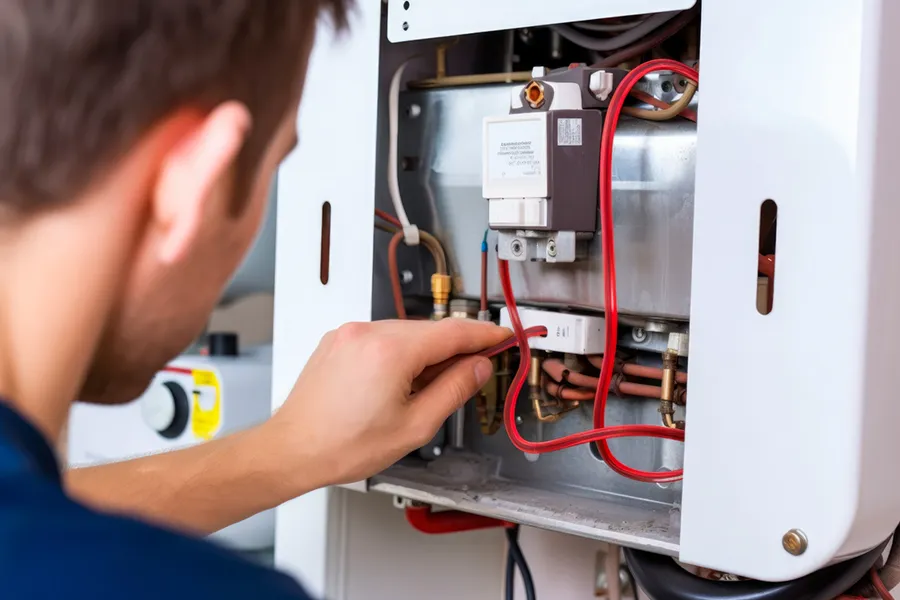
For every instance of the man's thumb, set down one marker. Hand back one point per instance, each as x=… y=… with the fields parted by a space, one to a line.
x=451 y=389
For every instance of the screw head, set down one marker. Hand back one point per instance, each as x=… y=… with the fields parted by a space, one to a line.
x=519 y=420
x=795 y=542
x=406 y=276
x=516 y=247
x=551 y=248
x=437 y=451
x=639 y=334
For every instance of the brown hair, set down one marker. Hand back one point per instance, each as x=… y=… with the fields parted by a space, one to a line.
x=82 y=80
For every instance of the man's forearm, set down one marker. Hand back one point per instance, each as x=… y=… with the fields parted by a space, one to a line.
x=199 y=489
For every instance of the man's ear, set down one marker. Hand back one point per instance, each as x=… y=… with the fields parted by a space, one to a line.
x=190 y=174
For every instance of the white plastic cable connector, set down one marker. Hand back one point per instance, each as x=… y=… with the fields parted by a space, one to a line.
x=410 y=231
x=411 y=235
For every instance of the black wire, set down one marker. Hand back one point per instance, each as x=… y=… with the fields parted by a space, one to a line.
x=631 y=580
x=509 y=590
x=516 y=556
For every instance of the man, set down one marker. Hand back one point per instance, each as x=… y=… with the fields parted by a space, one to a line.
x=137 y=141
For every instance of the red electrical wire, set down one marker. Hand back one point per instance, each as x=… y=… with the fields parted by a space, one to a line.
x=388 y=217
x=601 y=432
x=879 y=585
x=609 y=265
x=509 y=410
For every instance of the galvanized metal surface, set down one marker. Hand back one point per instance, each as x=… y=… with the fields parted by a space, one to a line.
x=653 y=186
x=571 y=491
x=459 y=481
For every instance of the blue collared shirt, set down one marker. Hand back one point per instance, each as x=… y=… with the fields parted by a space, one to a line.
x=52 y=547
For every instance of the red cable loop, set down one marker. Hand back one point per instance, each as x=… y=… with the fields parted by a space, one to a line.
x=600 y=433
x=609 y=257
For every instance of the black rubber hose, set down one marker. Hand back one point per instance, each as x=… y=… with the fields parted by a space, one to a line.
x=509 y=590
x=515 y=551
x=662 y=579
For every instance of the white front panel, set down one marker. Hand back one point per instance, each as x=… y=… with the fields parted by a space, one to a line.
x=515 y=157
x=422 y=19
x=335 y=162
x=793 y=415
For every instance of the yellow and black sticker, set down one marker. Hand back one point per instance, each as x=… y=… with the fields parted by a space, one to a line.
x=206 y=410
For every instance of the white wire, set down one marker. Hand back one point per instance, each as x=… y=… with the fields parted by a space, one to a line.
x=410 y=231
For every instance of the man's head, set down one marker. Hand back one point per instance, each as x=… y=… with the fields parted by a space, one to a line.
x=158 y=126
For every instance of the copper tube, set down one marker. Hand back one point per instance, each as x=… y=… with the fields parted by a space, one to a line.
x=534 y=374
x=569 y=394
x=641 y=371
x=650 y=372
x=395 y=275
x=557 y=370
x=539 y=412
x=628 y=388
x=669 y=421
x=666 y=405
x=670 y=364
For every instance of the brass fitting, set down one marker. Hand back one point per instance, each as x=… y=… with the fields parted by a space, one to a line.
x=534 y=373
x=667 y=395
x=440 y=292
x=535 y=392
x=534 y=94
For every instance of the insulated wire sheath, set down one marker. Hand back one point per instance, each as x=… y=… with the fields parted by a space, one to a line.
x=609 y=265
x=664 y=114
x=650 y=42
x=617 y=42
x=646 y=98
x=518 y=558
x=409 y=231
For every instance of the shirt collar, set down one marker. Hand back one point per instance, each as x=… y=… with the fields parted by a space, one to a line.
x=22 y=447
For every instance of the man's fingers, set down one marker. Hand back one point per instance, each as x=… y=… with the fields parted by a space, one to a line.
x=433 y=372
x=449 y=390
x=433 y=343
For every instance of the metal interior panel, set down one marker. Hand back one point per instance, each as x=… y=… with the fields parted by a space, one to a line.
x=653 y=186
x=571 y=491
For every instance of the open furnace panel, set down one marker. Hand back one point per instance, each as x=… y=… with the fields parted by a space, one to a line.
x=495 y=136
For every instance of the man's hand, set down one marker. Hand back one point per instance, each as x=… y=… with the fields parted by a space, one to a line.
x=373 y=392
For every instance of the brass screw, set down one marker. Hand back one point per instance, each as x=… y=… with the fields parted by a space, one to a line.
x=795 y=542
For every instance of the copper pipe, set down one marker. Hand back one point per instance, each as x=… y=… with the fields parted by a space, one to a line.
x=396 y=288
x=641 y=371
x=569 y=394
x=666 y=405
x=558 y=371
x=650 y=372
x=627 y=388
x=534 y=374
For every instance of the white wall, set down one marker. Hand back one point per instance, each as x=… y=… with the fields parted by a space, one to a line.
x=382 y=558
